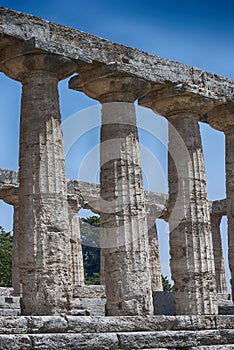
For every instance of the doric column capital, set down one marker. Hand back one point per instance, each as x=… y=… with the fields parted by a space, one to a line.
x=10 y=194
x=105 y=84
x=155 y=211
x=170 y=101
x=19 y=63
x=221 y=117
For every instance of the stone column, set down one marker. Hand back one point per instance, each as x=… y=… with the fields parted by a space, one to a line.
x=44 y=242
x=191 y=249
x=76 y=249
x=220 y=276
x=222 y=118
x=102 y=267
x=75 y=201
x=154 y=258
x=124 y=236
x=16 y=282
x=10 y=195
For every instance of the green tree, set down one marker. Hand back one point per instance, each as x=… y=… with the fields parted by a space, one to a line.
x=90 y=240
x=6 y=241
x=167 y=287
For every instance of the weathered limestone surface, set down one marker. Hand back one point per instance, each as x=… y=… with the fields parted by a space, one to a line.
x=156 y=204
x=5 y=291
x=124 y=239
x=90 y=333
x=9 y=177
x=90 y=298
x=59 y=342
x=92 y=307
x=9 y=306
x=218 y=207
x=9 y=192
x=82 y=47
x=76 y=248
x=154 y=258
x=75 y=203
x=90 y=301
x=221 y=118
x=43 y=215
x=111 y=324
x=220 y=275
x=39 y=54
x=191 y=247
x=175 y=339
x=137 y=340
x=16 y=279
x=88 y=291
x=192 y=259
x=229 y=141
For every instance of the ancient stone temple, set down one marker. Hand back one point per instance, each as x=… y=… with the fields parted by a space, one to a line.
x=57 y=311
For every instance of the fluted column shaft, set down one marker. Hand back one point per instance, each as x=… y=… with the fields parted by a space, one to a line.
x=191 y=248
x=44 y=241
x=220 y=275
x=124 y=239
x=16 y=283
x=77 y=265
x=44 y=227
x=102 y=267
x=222 y=118
x=154 y=257
x=126 y=251
x=229 y=147
x=192 y=261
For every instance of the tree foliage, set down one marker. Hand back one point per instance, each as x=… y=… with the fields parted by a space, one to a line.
x=167 y=287
x=90 y=239
x=6 y=241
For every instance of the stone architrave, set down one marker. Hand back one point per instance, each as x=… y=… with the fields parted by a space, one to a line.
x=191 y=248
x=222 y=118
x=220 y=275
x=44 y=242
x=124 y=238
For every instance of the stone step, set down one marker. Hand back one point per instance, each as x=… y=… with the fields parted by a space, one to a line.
x=80 y=312
x=209 y=347
x=107 y=333
x=10 y=312
x=175 y=339
x=224 y=296
x=6 y=291
x=214 y=347
x=9 y=302
x=112 y=324
x=210 y=340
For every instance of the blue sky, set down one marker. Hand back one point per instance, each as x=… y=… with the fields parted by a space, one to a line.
x=197 y=33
